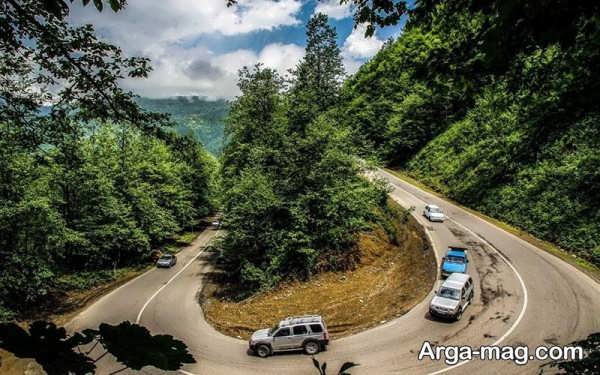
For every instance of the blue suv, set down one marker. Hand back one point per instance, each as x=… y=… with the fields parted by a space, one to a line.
x=456 y=260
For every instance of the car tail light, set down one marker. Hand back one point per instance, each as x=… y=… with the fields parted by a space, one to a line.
x=326 y=335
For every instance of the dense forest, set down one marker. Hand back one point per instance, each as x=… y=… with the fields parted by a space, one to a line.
x=89 y=181
x=103 y=198
x=494 y=103
x=197 y=117
x=294 y=199
x=497 y=105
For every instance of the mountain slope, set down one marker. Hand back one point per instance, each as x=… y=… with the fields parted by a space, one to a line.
x=497 y=105
x=201 y=118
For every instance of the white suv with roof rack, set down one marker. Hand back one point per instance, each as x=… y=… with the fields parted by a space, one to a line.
x=308 y=333
x=453 y=297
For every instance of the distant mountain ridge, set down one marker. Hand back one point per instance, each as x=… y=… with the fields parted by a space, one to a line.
x=204 y=119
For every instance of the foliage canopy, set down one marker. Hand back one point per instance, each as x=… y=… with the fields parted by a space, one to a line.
x=496 y=104
x=294 y=198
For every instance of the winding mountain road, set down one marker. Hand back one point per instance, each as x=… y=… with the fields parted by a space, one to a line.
x=524 y=296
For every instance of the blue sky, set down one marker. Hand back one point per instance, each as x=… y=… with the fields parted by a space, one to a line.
x=257 y=40
x=197 y=46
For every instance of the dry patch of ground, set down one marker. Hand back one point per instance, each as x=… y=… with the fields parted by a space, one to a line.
x=392 y=277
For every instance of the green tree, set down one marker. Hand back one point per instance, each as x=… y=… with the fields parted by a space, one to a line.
x=294 y=198
x=45 y=60
x=99 y=199
x=492 y=103
x=318 y=77
x=255 y=119
x=88 y=180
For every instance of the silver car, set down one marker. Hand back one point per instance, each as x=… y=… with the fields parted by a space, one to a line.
x=166 y=261
x=434 y=213
x=453 y=297
x=308 y=333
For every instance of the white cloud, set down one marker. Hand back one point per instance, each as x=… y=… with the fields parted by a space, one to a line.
x=147 y=22
x=351 y=64
x=281 y=57
x=168 y=32
x=333 y=9
x=359 y=46
x=161 y=30
x=194 y=71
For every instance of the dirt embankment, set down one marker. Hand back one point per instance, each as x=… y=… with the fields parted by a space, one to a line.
x=393 y=276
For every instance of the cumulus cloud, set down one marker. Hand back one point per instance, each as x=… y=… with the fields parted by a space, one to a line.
x=194 y=72
x=170 y=34
x=164 y=31
x=333 y=9
x=149 y=22
x=359 y=46
x=202 y=69
x=281 y=57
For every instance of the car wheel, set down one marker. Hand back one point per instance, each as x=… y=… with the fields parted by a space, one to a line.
x=311 y=347
x=459 y=315
x=263 y=351
x=471 y=297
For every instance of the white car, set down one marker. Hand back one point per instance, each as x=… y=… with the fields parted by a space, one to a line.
x=433 y=213
x=455 y=294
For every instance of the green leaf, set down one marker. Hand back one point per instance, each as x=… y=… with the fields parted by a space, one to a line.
x=99 y=5
x=116 y=5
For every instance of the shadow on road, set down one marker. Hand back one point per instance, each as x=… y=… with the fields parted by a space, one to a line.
x=60 y=354
x=436 y=319
x=588 y=364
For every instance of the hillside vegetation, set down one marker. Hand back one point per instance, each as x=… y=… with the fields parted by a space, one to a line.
x=200 y=118
x=497 y=105
x=98 y=200
x=396 y=270
x=294 y=198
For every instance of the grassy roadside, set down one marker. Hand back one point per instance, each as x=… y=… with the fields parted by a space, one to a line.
x=396 y=271
x=581 y=264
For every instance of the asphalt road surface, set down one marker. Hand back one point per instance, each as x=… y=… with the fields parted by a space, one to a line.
x=523 y=296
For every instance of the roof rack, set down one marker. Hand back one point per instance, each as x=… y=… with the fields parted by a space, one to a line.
x=300 y=319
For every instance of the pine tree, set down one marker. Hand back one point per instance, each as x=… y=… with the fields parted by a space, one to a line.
x=319 y=75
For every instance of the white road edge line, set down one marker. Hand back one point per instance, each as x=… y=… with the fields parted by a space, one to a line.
x=139 y=316
x=521 y=314
x=523 y=287
x=498 y=342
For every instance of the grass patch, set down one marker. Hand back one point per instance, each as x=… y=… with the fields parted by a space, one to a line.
x=91 y=279
x=178 y=241
x=396 y=271
x=581 y=264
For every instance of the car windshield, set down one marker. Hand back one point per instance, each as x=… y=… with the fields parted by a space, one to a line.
x=435 y=210
x=166 y=257
x=449 y=293
x=455 y=259
x=273 y=329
